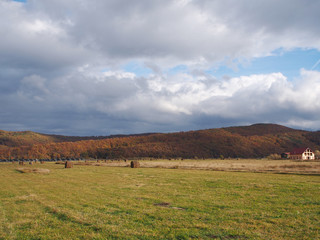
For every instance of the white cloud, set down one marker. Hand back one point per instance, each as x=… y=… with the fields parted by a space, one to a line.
x=172 y=104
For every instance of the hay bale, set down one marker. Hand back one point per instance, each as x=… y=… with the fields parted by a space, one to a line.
x=68 y=164
x=42 y=162
x=134 y=164
x=21 y=163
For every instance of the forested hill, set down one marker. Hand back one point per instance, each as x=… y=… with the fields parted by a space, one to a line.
x=29 y=138
x=258 y=140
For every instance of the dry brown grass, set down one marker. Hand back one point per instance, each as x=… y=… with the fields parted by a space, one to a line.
x=236 y=165
x=60 y=162
x=33 y=170
x=240 y=165
x=113 y=164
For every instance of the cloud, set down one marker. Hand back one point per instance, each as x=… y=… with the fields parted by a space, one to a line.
x=52 y=35
x=62 y=65
x=133 y=104
x=189 y=31
x=33 y=42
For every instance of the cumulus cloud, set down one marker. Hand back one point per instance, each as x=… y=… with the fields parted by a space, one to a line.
x=34 y=42
x=166 y=104
x=61 y=64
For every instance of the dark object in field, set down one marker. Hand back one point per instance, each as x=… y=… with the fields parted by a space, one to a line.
x=31 y=162
x=21 y=163
x=68 y=164
x=42 y=162
x=134 y=164
x=168 y=205
x=162 y=204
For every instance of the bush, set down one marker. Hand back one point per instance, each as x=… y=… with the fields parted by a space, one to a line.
x=274 y=156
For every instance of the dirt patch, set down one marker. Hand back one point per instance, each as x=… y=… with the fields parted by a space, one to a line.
x=33 y=170
x=227 y=237
x=26 y=197
x=178 y=208
x=162 y=204
x=168 y=205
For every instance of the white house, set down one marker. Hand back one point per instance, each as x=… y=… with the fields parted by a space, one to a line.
x=302 y=154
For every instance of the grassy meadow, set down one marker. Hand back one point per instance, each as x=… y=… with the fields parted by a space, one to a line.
x=103 y=202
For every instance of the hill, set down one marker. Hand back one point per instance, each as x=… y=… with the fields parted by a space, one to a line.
x=259 y=129
x=258 y=140
x=29 y=138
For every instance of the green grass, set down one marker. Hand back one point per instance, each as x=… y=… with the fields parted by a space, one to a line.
x=89 y=202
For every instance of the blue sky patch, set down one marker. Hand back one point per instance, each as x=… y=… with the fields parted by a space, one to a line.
x=137 y=67
x=178 y=69
x=288 y=63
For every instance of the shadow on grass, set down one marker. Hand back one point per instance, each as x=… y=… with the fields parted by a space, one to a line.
x=67 y=218
x=226 y=237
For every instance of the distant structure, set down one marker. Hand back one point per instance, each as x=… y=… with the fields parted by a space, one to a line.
x=285 y=155
x=300 y=154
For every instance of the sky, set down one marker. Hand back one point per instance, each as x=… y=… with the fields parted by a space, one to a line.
x=103 y=67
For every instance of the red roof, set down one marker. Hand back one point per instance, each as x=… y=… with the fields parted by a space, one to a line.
x=298 y=151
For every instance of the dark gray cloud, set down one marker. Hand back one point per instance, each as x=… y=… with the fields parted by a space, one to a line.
x=61 y=65
x=185 y=30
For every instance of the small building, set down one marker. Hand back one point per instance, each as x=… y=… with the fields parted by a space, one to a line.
x=302 y=154
x=285 y=155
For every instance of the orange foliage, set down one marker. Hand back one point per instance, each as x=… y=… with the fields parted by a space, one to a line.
x=253 y=141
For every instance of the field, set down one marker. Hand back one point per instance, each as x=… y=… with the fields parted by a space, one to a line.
x=240 y=165
x=167 y=201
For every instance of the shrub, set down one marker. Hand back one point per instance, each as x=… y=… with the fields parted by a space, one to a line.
x=274 y=156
